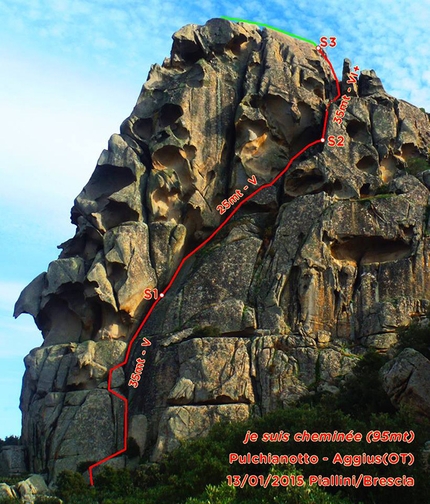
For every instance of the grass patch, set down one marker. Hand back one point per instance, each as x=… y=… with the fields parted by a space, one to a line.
x=417 y=165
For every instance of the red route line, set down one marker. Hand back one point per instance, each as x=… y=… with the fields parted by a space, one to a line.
x=169 y=285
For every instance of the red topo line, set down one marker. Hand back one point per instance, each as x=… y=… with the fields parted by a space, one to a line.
x=324 y=55
x=169 y=285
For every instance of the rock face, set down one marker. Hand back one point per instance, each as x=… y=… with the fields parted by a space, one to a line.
x=12 y=460
x=313 y=270
x=28 y=491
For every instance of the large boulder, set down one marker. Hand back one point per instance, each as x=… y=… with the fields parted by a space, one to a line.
x=31 y=488
x=406 y=380
x=7 y=492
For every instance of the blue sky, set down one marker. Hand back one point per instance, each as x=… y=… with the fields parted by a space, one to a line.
x=71 y=71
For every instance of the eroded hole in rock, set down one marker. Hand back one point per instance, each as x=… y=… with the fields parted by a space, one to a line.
x=388 y=168
x=368 y=164
x=304 y=128
x=357 y=131
x=108 y=179
x=169 y=114
x=253 y=148
x=408 y=231
x=278 y=112
x=164 y=204
x=180 y=132
x=409 y=150
x=194 y=77
x=190 y=152
x=59 y=324
x=115 y=272
x=300 y=183
x=370 y=249
x=314 y=86
x=97 y=311
x=306 y=113
x=224 y=399
x=174 y=158
x=188 y=50
x=338 y=189
x=116 y=212
x=143 y=128
x=193 y=222
x=315 y=64
x=364 y=190
x=161 y=136
x=237 y=43
x=255 y=101
x=251 y=137
x=72 y=293
x=248 y=131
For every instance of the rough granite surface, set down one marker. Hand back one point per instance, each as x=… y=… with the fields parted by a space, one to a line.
x=305 y=277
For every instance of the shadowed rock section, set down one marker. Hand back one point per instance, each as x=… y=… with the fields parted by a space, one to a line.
x=370 y=249
x=334 y=256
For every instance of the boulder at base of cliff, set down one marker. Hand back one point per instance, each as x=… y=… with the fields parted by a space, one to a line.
x=7 y=492
x=406 y=379
x=31 y=488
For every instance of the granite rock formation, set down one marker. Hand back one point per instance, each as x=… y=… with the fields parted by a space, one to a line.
x=406 y=380
x=307 y=275
x=27 y=491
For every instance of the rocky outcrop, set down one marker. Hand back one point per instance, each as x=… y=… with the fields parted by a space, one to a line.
x=12 y=460
x=27 y=491
x=308 y=274
x=406 y=381
x=7 y=492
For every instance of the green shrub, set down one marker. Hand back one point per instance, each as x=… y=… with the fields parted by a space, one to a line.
x=10 y=441
x=415 y=336
x=215 y=494
x=291 y=494
x=47 y=499
x=196 y=472
x=13 y=480
x=70 y=485
x=383 y=189
x=111 y=482
x=83 y=466
x=417 y=165
x=146 y=475
x=362 y=395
